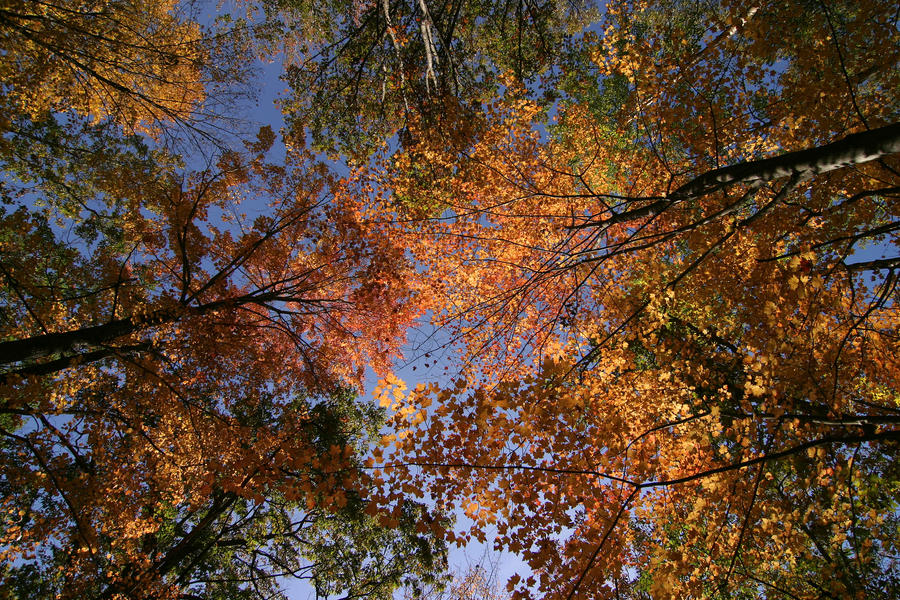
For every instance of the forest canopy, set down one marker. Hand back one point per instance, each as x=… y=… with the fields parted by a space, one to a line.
x=648 y=248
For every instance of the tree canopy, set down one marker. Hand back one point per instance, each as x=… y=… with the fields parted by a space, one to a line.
x=655 y=243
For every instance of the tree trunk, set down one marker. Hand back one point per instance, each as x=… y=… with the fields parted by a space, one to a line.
x=856 y=148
